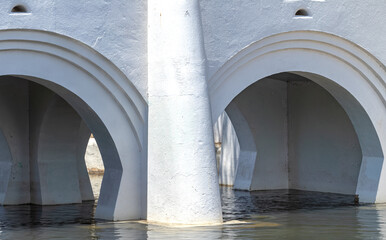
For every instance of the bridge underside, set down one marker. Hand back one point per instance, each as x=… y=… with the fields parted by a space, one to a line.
x=42 y=145
x=287 y=132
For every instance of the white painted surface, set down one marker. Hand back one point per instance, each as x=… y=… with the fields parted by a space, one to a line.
x=54 y=129
x=39 y=147
x=85 y=187
x=182 y=177
x=264 y=107
x=239 y=38
x=14 y=177
x=116 y=29
x=229 y=26
x=72 y=76
x=259 y=115
x=355 y=82
x=324 y=151
x=320 y=135
x=248 y=152
x=230 y=151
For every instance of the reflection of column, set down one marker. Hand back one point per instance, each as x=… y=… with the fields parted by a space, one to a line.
x=121 y=231
x=201 y=232
x=182 y=177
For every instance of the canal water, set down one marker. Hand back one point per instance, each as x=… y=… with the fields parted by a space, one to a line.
x=249 y=215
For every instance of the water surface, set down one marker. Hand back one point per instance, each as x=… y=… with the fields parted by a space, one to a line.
x=279 y=214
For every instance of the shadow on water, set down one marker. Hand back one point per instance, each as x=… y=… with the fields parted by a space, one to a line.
x=243 y=204
x=43 y=216
x=278 y=214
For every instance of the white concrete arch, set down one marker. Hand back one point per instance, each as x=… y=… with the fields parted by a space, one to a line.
x=345 y=70
x=102 y=95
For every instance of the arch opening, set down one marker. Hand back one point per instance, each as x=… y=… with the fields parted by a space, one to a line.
x=110 y=105
x=287 y=132
x=348 y=73
x=44 y=139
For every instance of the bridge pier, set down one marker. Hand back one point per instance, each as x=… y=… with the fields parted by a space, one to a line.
x=182 y=177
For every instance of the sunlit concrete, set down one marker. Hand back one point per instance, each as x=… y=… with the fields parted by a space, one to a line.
x=182 y=177
x=230 y=150
x=355 y=92
x=68 y=75
x=185 y=62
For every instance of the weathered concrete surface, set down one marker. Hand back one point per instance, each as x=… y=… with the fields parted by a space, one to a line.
x=14 y=176
x=106 y=26
x=85 y=187
x=268 y=123
x=324 y=151
x=94 y=54
x=229 y=152
x=353 y=83
x=303 y=138
x=182 y=177
x=248 y=152
x=63 y=65
x=54 y=141
x=39 y=133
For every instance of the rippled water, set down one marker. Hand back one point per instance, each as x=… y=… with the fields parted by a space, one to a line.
x=257 y=215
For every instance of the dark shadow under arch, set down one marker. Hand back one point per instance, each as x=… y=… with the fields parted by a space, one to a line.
x=110 y=156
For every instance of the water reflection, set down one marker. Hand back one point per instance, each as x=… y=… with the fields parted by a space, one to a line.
x=40 y=216
x=243 y=204
x=279 y=214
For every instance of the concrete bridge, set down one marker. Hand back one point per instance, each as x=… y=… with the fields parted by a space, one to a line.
x=297 y=89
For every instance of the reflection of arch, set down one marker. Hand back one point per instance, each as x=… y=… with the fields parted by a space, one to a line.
x=106 y=100
x=350 y=74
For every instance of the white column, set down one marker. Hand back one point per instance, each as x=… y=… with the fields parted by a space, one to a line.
x=182 y=177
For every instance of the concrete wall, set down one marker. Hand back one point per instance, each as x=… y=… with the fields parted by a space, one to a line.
x=110 y=26
x=229 y=150
x=248 y=152
x=42 y=157
x=14 y=126
x=264 y=106
x=58 y=140
x=361 y=22
x=117 y=29
x=324 y=150
x=302 y=136
x=222 y=29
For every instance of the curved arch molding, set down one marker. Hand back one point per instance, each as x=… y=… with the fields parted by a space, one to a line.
x=352 y=75
x=108 y=102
